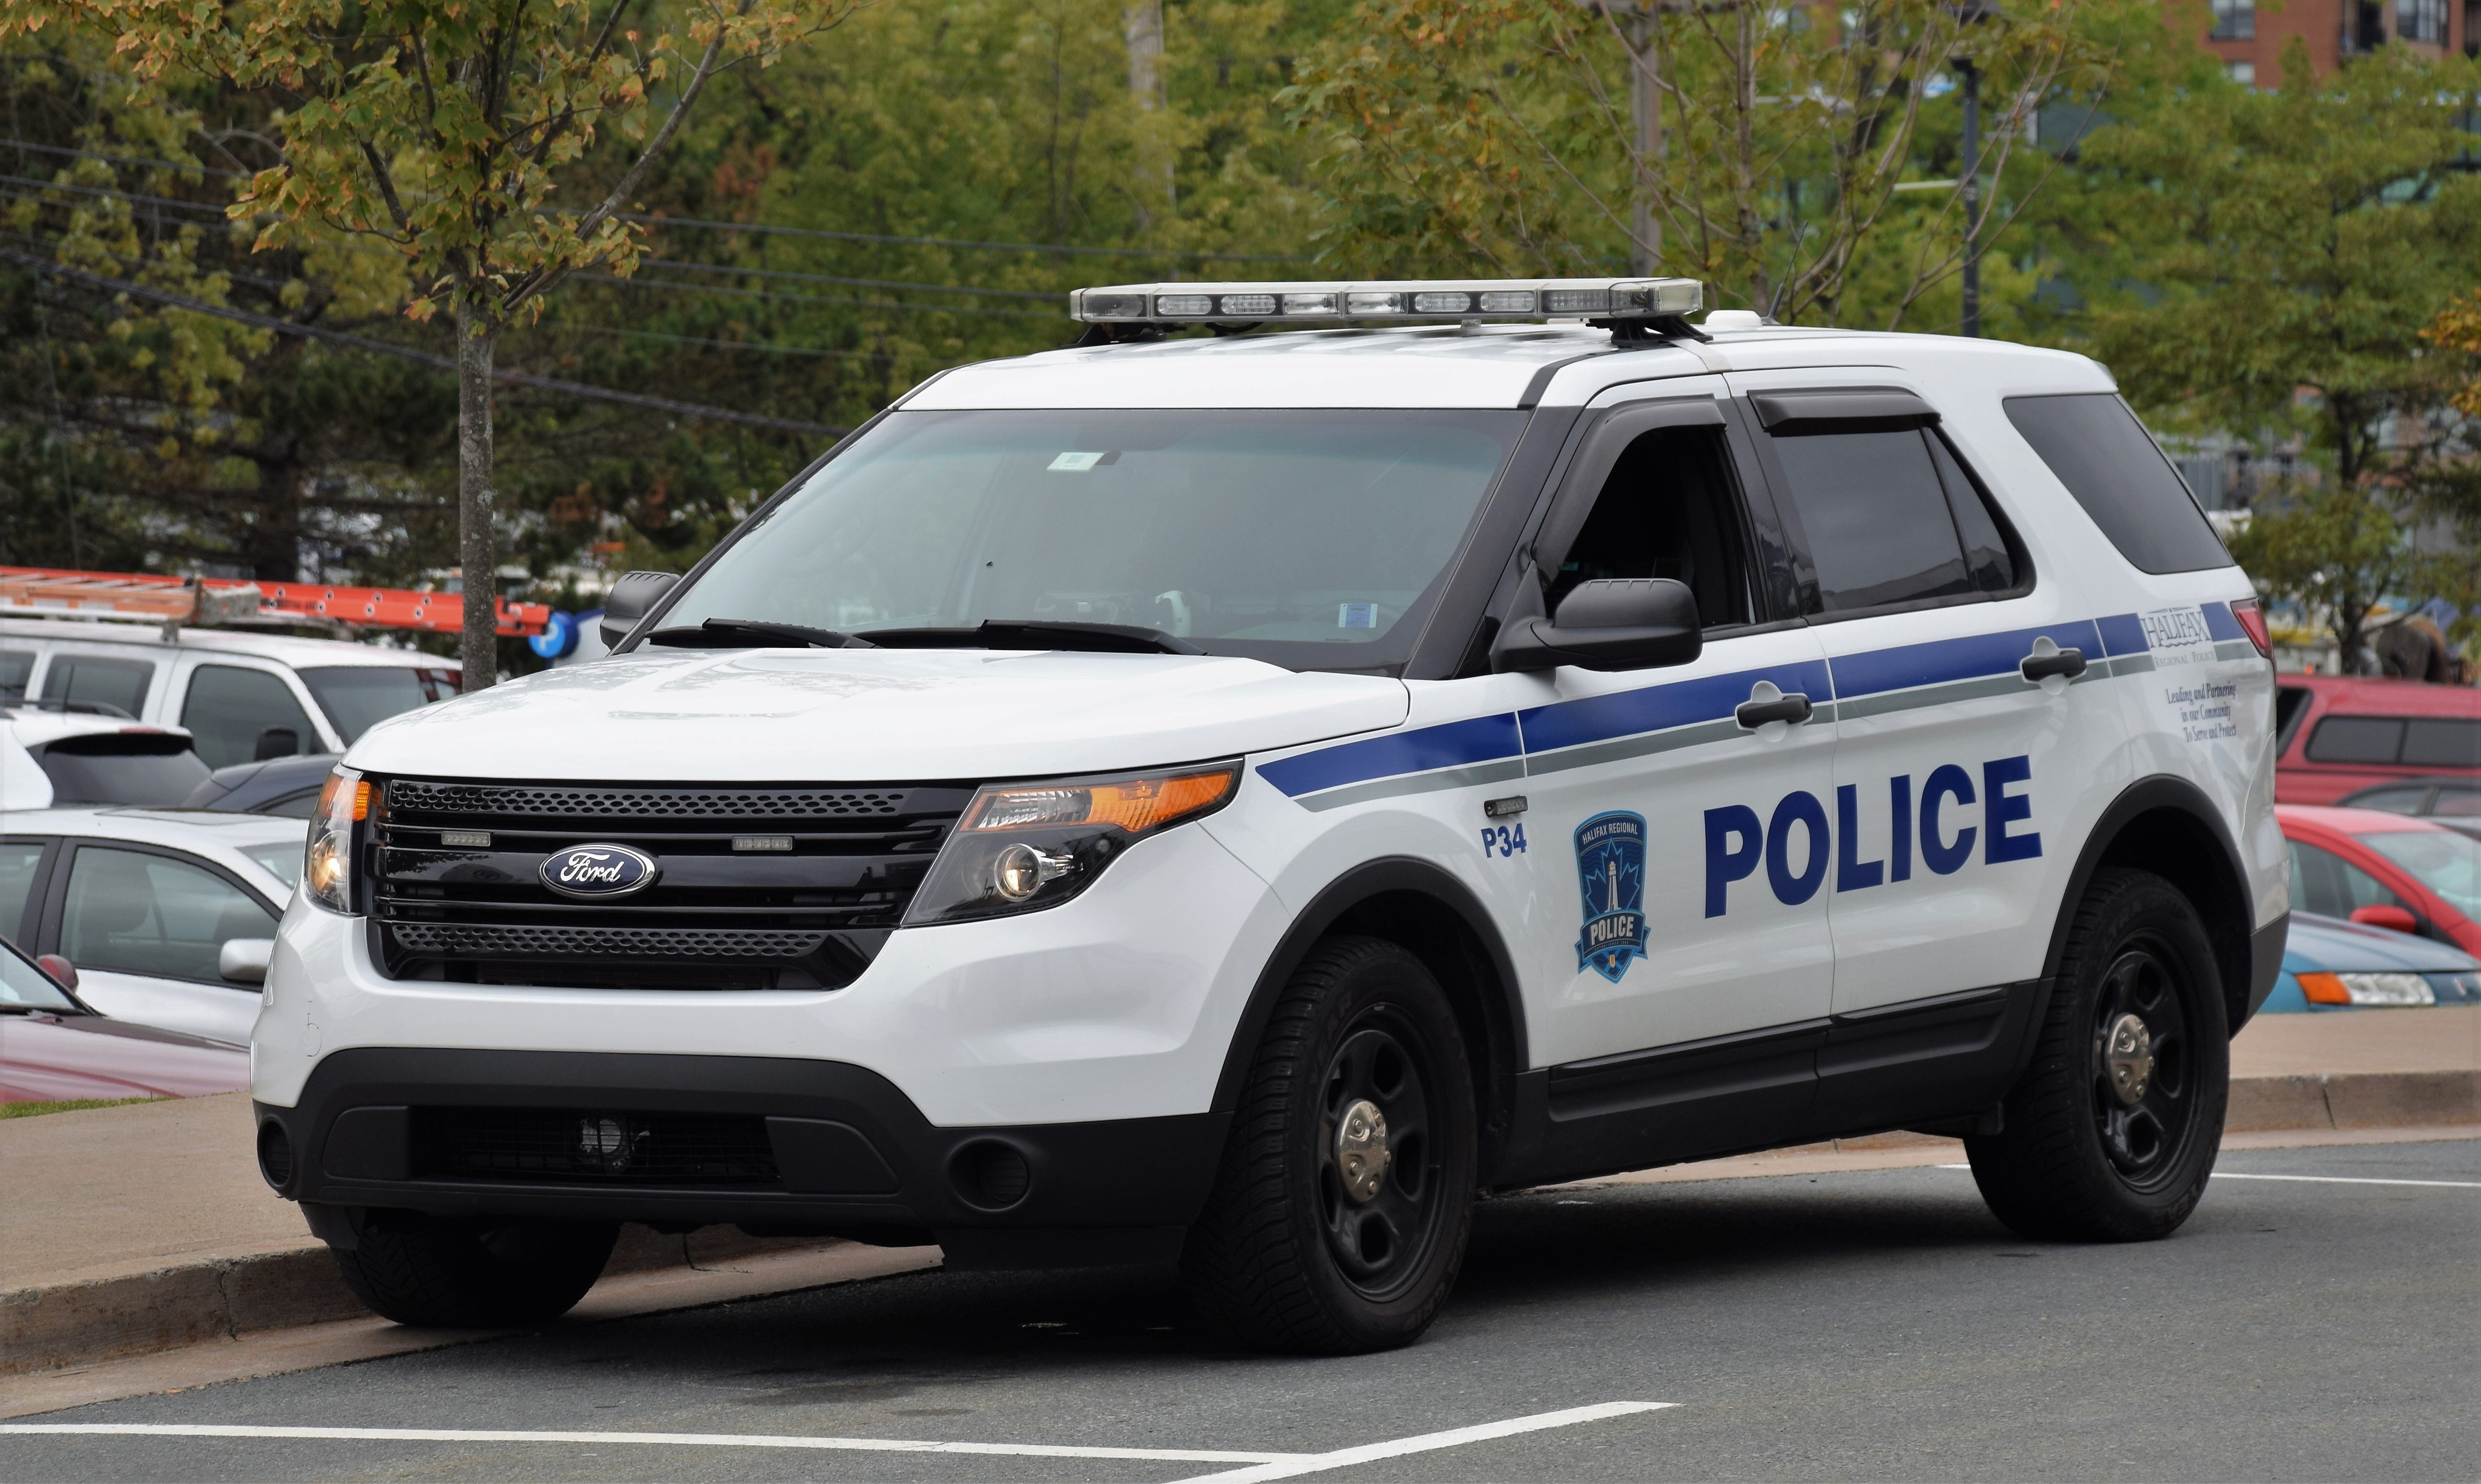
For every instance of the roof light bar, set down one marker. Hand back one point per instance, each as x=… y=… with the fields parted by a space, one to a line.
x=1473 y=298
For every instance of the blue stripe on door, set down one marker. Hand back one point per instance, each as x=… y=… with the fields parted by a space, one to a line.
x=1940 y=661
x=1660 y=708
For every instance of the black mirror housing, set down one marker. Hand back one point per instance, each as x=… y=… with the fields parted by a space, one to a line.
x=1620 y=623
x=631 y=598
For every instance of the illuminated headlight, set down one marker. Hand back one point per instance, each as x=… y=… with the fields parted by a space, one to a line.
x=328 y=859
x=1023 y=846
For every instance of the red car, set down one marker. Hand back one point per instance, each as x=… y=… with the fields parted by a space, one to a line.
x=2384 y=870
x=53 y=1048
x=2336 y=733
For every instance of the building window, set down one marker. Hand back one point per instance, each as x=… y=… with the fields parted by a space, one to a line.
x=2235 y=20
x=2243 y=73
x=2421 y=20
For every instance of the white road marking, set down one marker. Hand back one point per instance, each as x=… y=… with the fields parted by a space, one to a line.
x=2323 y=1180
x=1261 y=1465
x=708 y=1440
x=1346 y=1458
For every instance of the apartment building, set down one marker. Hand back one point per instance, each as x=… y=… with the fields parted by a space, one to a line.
x=2250 y=37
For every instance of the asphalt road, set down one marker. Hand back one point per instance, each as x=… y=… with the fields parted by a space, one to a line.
x=1868 y=1325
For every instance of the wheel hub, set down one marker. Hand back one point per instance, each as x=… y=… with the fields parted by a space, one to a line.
x=2127 y=1054
x=1361 y=1153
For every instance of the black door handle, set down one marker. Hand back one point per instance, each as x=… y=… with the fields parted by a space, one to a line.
x=2070 y=663
x=1793 y=708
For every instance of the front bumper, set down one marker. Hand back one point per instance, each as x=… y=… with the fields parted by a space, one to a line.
x=853 y=1156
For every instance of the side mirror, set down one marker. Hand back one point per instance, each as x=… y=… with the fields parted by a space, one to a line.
x=1619 y=623
x=62 y=973
x=631 y=598
x=245 y=960
x=275 y=742
x=2398 y=918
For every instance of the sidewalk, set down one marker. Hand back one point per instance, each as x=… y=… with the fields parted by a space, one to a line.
x=145 y=1229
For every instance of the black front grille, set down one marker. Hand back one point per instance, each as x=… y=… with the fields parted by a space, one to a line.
x=540 y=1144
x=454 y=892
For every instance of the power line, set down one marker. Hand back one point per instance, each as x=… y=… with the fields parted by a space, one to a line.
x=1050 y=298
x=383 y=348
x=653 y=219
x=722 y=345
x=976 y=310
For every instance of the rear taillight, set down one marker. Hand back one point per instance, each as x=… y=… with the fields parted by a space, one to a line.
x=2252 y=618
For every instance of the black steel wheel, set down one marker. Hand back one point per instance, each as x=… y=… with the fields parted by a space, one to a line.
x=2112 y=1132
x=1339 y=1214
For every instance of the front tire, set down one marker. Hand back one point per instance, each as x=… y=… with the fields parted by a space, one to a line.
x=1339 y=1215
x=474 y=1272
x=2110 y=1134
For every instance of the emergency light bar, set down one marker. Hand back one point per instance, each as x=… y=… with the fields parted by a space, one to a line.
x=1468 y=298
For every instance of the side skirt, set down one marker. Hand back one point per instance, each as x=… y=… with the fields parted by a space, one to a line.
x=1866 y=1071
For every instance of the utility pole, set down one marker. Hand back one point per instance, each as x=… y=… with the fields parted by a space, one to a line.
x=1645 y=105
x=1972 y=186
x=1141 y=25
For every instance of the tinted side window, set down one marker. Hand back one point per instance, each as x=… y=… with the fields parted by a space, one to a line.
x=229 y=710
x=2103 y=454
x=146 y=914
x=1670 y=509
x=2356 y=740
x=120 y=684
x=2327 y=884
x=15 y=666
x=2442 y=742
x=19 y=860
x=1875 y=516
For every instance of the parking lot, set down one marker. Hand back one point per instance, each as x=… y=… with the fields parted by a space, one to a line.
x=2318 y=1319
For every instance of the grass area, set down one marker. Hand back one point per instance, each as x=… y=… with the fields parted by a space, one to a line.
x=66 y=1105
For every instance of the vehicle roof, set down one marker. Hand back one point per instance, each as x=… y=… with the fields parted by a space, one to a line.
x=32 y=727
x=188 y=829
x=1448 y=366
x=2367 y=695
x=296 y=653
x=2353 y=821
x=2336 y=946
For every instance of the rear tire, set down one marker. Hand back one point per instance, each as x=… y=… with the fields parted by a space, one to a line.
x=1339 y=1215
x=474 y=1272
x=2110 y=1134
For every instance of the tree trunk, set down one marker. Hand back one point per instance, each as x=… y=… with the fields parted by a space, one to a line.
x=477 y=549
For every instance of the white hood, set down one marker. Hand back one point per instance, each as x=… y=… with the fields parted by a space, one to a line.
x=860 y=715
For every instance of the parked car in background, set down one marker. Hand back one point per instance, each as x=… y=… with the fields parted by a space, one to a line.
x=2331 y=964
x=168 y=915
x=2454 y=801
x=2385 y=871
x=64 y=757
x=2336 y=734
x=245 y=696
x=285 y=786
x=54 y=1047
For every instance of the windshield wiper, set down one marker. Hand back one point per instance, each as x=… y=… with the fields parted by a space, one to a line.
x=748 y=634
x=1121 y=638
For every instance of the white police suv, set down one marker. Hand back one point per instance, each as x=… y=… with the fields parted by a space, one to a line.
x=1233 y=800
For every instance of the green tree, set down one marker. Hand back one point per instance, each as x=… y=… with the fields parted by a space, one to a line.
x=446 y=132
x=1765 y=151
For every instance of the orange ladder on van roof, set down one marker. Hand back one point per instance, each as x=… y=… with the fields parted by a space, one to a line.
x=49 y=592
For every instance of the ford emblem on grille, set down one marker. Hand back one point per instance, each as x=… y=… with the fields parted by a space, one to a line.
x=597 y=873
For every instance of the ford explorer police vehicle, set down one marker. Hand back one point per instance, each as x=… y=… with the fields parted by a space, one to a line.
x=1231 y=800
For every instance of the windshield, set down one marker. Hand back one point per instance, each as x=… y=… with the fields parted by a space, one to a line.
x=23 y=984
x=1314 y=539
x=151 y=768
x=357 y=697
x=2445 y=862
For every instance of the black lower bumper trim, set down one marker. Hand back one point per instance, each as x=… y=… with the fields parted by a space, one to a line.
x=852 y=1156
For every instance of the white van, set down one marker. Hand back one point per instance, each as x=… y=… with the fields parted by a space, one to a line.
x=245 y=696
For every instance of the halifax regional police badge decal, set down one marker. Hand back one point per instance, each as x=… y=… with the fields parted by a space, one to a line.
x=1611 y=873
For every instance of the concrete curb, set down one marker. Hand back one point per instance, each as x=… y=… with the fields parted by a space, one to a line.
x=52 y=1327
x=66 y=1324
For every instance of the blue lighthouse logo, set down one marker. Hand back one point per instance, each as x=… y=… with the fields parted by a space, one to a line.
x=1610 y=877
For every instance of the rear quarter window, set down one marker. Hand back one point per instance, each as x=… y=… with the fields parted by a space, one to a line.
x=2107 y=460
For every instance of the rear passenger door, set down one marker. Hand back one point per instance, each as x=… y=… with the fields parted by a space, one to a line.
x=144 y=928
x=1953 y=770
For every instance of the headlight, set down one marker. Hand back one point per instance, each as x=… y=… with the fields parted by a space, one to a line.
x=327 y=866
x=1023 y=846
